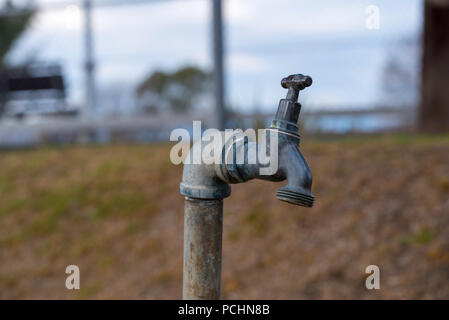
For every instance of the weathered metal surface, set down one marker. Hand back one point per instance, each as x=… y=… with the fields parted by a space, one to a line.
x=201 y=181
x=211 y=181
x=291 y=161
x=203 y=225
x=205 y=185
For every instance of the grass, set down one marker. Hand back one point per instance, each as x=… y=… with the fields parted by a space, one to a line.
x=423 y=236
x=116 y=212
x=257 y=218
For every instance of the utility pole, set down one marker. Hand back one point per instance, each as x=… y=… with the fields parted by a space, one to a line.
x=90 y=107
x=218 y=64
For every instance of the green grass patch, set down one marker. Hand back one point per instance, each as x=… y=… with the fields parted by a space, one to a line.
x=423 y=236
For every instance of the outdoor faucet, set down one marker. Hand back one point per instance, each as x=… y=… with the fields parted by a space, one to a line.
x=205 y=185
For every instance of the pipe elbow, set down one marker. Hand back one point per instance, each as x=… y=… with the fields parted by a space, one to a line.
x=201 y=180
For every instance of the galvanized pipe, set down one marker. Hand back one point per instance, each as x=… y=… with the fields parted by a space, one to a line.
x=203 y=227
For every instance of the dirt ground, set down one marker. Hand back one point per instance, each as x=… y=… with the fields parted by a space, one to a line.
x=115 y=211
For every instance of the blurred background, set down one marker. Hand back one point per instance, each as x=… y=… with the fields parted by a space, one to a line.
x=91 y=89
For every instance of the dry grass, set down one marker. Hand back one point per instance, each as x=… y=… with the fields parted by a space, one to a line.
x=115 y=211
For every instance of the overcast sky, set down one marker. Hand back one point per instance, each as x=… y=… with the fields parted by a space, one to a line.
x=265 y=41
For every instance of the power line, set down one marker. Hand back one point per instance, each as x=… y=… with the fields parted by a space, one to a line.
x=109 y=3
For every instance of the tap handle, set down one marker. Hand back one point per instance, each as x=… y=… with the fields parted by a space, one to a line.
x=295 y=83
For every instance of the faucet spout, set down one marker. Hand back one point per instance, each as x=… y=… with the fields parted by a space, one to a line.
x=299 y=177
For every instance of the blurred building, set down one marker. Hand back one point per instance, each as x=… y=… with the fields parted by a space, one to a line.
x=34 y=90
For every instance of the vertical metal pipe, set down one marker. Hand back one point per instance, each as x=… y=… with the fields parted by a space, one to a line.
x=203 y=227
x=218 y=64
x=89 y=59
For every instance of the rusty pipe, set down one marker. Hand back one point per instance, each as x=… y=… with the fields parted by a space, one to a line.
x=203 y=225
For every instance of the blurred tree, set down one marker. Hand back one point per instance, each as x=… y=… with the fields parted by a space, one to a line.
x=400 y=77
x=13 y=22
x=434 y=109
x=179 y=91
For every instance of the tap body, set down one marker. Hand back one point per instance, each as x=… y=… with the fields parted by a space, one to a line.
x=211 y=180
x=276 y=157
